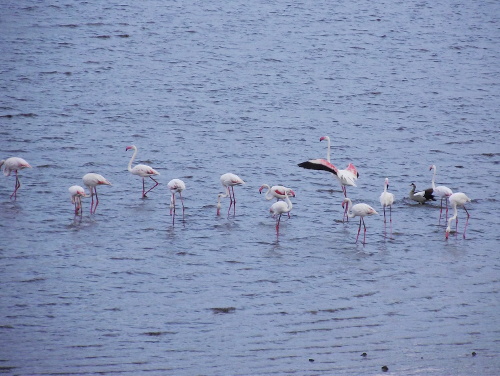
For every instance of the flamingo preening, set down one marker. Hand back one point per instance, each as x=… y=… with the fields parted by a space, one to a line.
x=280 y=207
x=386 y=200
x=442 y=191
x=228 y=181
x=92 y=180
x=361 y=211
x=346 y=177
x=457 y=199
x=144 y=171
x=421 y=197
x=14 y=164
x=77 y=193
x=176 y=186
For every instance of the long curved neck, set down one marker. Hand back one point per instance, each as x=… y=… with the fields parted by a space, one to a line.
x=434 y=177
x=132 y=159
x=455 y=214
x=328 y=149
x=288 y=203
x=385 y=187
x=268 y=195
x=350 y=214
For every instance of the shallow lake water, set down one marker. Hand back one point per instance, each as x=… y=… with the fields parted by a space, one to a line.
x=249 y=88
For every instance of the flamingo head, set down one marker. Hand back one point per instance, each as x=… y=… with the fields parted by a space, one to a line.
x=261 y=188
x=325 y=138
x=130 y=147
x=432 y=167
x=290 y=193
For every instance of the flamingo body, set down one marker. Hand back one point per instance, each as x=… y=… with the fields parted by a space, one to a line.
x=457 y=199
x=280 y=207
x=14 y=164
x=359 y=210
x=142 y=170
x=387 y=199
x=77 y=193
x=92 y=180
x=176 y=186
x=423 y=196
x=228 y=181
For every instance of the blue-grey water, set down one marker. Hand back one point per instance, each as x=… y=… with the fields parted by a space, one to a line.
x=248 y=87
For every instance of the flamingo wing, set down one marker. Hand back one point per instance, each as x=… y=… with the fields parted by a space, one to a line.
x=319 y=164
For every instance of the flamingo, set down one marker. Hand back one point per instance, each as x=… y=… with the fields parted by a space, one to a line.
x=14 y=164
x=92 y=180
x=276 y=191
x=457 y=199
x=280 y=207
x=442 y=191
x=176 y=186
x=361 y=211
x=77 y=193
x=386 y=200
x=228 y=181
x=141 y=170
x=346 y=177
x=423 y=196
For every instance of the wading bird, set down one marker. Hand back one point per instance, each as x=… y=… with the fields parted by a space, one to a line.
x=442 y=191
x=144 y=171
x=457 y=199
x=228 y=181
x=280 y=207
x=422 y=196
x=276 y=191
x=386 y=200
x=92 y=180
x=176 y=186
x=77 y=193
x=14 y=164
x=361 y=211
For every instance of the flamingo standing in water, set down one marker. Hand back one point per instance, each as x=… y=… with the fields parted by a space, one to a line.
x=228 y=181
x=276 y=191
x=421 y=197
x=176 y=186
x=457 y=199
x=77 y=193
x=346 y=177
x=92 y=180
x=144 y=171
x=280 y=207
x=14 y=164
x=386 y=200
x=442 y=191
x=361 y=211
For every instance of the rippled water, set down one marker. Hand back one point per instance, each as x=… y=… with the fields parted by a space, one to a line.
x=249 y=88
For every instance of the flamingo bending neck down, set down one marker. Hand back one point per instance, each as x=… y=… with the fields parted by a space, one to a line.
x=361 y=211
x=77 y=193
x=280 y=207
x=457 y=199
x=386 y=200
x=276 y=191
x=421 y=197
x=92 y=180
x=144 y=171
x=442 y=191
x=14 y=164
x=176 y=186
x=228 y=181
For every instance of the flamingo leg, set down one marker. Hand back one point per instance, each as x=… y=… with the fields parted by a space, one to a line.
x=345 y=216
x=278 y=224
x=390 y=217
x=234 y=201
x=441 y=211
x=384 y=215
x=150 y=189
x=466 y=221
x=92 y=198
x=364 y=233
x=182 y=202
x=96 y=199
x=172 y=200
x=359 y=229
x=16 y=187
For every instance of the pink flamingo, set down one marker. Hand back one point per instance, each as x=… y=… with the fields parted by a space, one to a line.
x=176 y=186
x=14 y=164
x=228 y=181
x=77 y=193
x=92 y=180
x=442 y=191
x=361 y=211
x=280 y=207
x=276 y=191
x=144 y=171
x=457 y=199
x=386 y=200
x=346 y=177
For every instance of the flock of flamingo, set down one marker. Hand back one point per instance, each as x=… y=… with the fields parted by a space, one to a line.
x=283 y=205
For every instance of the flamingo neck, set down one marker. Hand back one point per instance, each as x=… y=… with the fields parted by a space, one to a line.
x=288 y=203
x=434 y=177
x=328 y=149
x=455 y=215
x=350 y=214
x=132 y=159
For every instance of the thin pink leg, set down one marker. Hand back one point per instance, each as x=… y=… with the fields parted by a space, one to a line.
x=96 y=199
x=150 y=189
x=466 y=221
x=364 y=233
x=346 y=209
x=359 y=229
x=16 y=187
